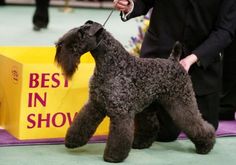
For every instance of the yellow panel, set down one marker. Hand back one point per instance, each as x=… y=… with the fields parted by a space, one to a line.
x=35 y=100
x=36 y=54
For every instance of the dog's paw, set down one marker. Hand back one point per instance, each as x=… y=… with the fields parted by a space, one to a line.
x=112 y=160
x=74 y=142
x=115 y=156
x=70 y=143
x=141 y=143
x=204 y=147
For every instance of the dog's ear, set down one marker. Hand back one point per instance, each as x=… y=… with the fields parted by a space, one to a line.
x=94 y=28
x=89 y=22
x=58 y=50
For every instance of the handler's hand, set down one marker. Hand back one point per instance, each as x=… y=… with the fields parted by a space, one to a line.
x=188 y=61
x=122 y=5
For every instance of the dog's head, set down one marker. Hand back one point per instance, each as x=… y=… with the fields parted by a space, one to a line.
x=72 y=45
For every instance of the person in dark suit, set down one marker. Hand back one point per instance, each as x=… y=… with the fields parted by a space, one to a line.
x=228 y=97
x=2 y=2
x=41 y=14
x=205 y=28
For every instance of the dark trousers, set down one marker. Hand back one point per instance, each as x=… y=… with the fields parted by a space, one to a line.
x=208 y=106
x=228 y=101
x=41 y=14
x=2 y=2
x=228 y=96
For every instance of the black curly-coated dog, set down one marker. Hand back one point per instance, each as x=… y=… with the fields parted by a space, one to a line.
x=122 y=86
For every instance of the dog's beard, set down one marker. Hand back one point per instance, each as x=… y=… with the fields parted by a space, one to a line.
x=68 y=62
x=70 y=67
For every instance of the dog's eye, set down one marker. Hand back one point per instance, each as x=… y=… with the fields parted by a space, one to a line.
x=59 y=44
x=75 y=47
x=81 y=35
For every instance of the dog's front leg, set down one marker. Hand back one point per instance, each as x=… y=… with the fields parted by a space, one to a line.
x=83 y=126
x=120 y=138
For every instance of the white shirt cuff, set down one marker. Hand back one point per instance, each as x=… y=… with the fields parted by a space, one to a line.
x=124 y=16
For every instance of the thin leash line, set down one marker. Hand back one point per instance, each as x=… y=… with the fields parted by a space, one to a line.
x=108 y=17
x=105 y=24
x=110 y=14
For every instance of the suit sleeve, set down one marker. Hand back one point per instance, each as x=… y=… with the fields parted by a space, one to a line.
x=221 y=36
x=141 y=7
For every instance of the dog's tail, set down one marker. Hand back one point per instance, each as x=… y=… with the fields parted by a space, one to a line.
x=176 y=51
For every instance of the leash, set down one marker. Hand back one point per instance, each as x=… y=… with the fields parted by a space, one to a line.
x=108 y=17
x=110 y=14
x=105 y=24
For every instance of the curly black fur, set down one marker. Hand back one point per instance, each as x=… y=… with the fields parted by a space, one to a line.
x=122 y=86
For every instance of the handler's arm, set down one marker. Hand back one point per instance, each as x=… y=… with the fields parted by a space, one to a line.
x=221 y=36
x=132 y=8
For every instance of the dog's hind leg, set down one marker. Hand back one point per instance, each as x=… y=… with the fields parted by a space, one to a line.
x=120 y=138
x=146 y=127
x=83 y=126
x=188 y=118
